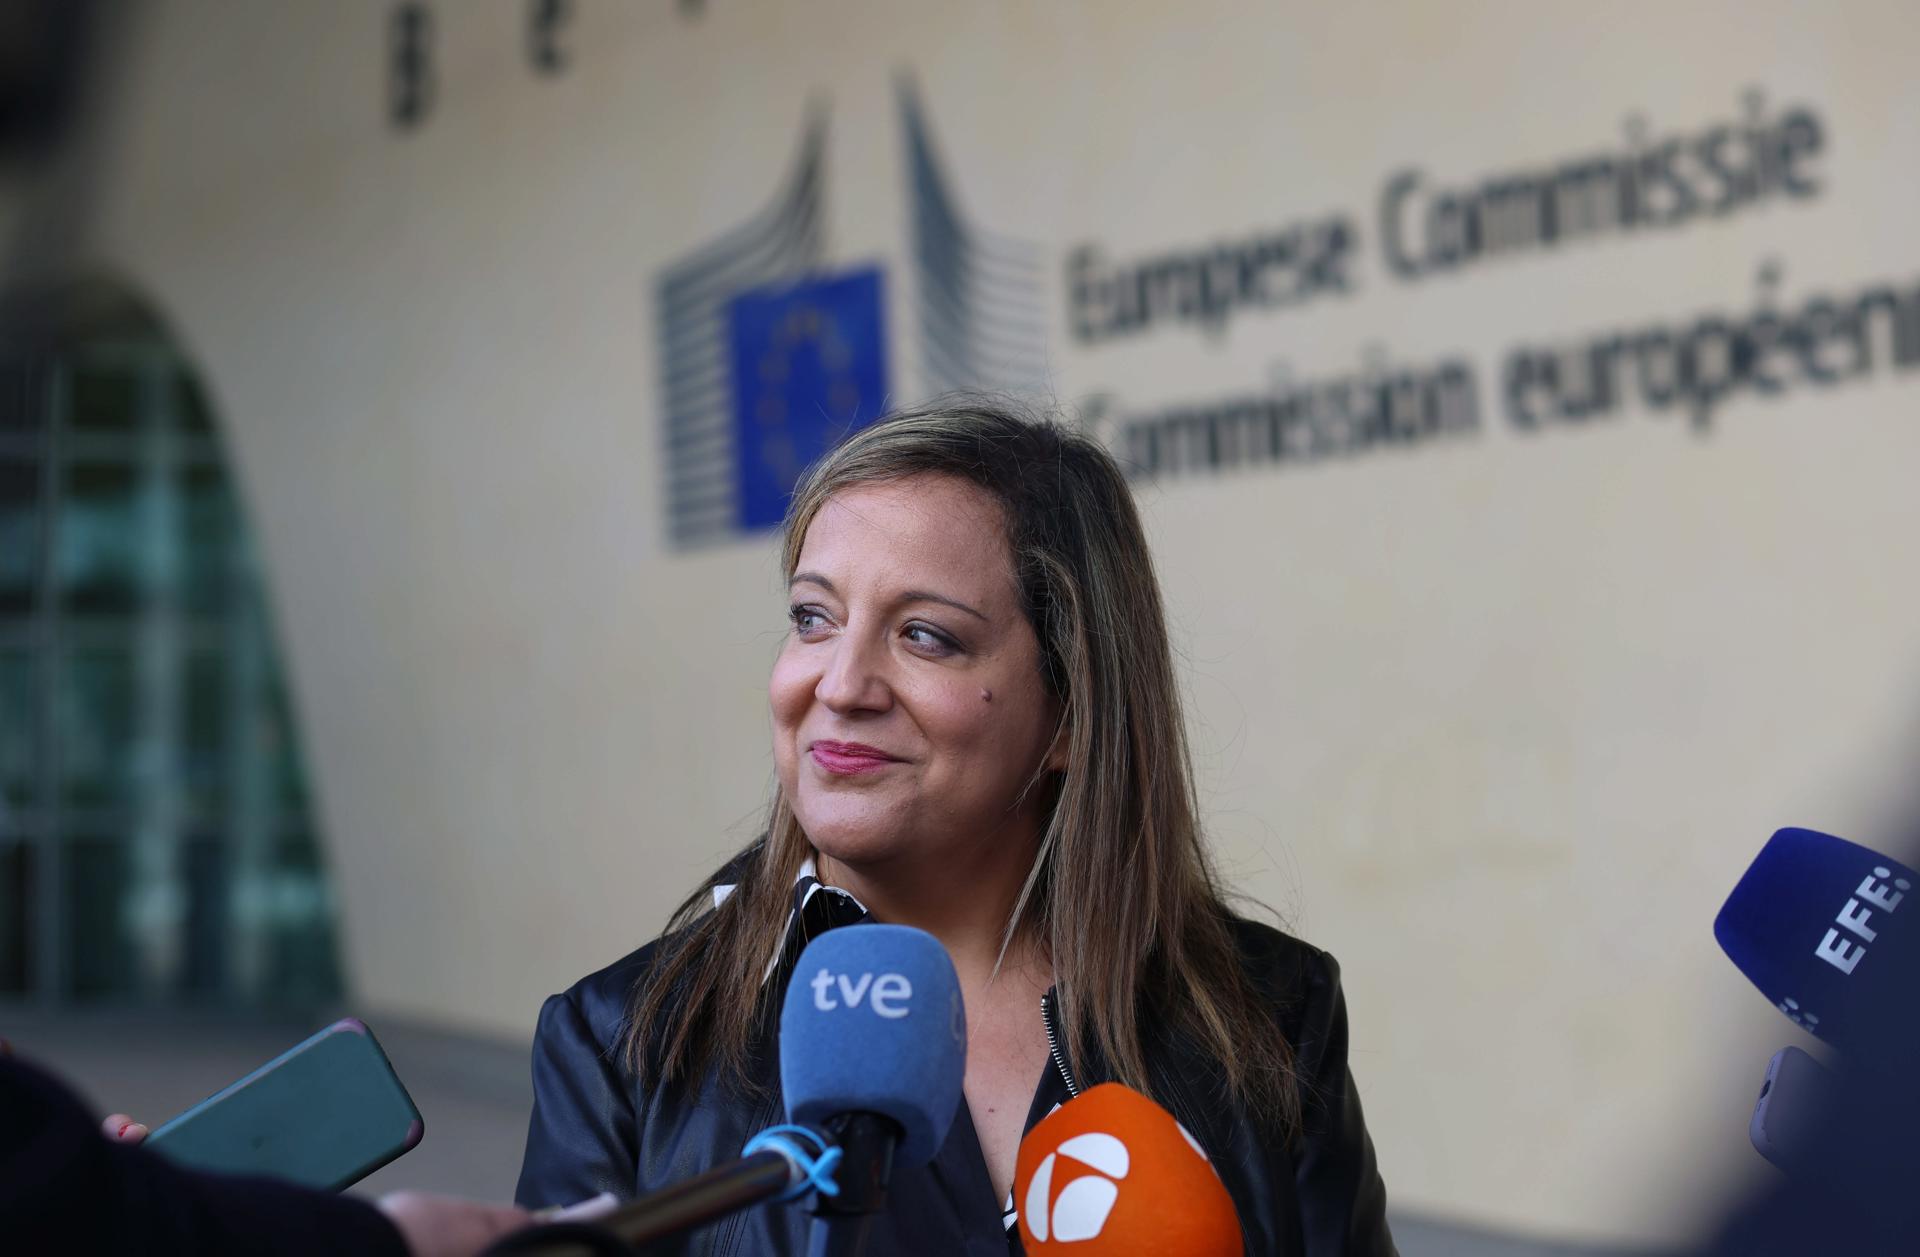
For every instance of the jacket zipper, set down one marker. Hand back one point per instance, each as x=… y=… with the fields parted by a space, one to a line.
x=1055 y=1049
x=727 y=1240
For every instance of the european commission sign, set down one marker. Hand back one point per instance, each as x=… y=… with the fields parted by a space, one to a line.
x=769 y=354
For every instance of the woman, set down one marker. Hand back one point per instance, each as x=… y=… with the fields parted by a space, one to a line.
x=977 y=732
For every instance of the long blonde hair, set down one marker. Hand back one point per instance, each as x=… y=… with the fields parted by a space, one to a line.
x=1121 y=893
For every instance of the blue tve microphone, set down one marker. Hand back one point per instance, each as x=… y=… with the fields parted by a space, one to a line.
x=873 y=1048
x=1818 y=924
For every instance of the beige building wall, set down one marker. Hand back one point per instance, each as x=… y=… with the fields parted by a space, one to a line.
x=1497 y=718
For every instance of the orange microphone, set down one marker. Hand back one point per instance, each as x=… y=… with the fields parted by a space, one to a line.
x=1111 y=1174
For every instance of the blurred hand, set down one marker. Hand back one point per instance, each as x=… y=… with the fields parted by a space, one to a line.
x=433 y=1226
x=443 y=1226
x=122 y=1129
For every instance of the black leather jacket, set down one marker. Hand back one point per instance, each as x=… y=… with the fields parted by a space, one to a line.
x=594 y=1129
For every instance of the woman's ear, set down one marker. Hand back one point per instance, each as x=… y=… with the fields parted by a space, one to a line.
x=1056 y=757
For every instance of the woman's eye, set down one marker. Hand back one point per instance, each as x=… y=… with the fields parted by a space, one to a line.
x=805 y=619
x=930 y=640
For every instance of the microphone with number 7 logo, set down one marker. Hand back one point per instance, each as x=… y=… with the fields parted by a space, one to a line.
x=1112 y=1174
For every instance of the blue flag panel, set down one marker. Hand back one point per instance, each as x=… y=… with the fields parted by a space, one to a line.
x=809 y=366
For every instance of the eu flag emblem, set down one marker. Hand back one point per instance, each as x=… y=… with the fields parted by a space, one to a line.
x=809 y=366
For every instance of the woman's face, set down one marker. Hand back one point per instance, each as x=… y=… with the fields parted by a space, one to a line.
x=909 y=713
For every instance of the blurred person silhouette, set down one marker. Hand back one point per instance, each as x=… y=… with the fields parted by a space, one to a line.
x=67 y=1187
x=976 y=731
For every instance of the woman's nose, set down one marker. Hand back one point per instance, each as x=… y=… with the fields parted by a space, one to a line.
x=855 y=677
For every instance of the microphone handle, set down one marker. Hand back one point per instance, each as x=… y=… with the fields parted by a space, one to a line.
x=842 y=1223
x=720 y=1191
x=678 y=1207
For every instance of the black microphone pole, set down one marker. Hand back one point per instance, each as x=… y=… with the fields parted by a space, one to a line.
x=720 y=1191
x=842 y=1223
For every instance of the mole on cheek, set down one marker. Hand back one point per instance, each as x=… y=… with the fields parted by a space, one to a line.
x=986 y=696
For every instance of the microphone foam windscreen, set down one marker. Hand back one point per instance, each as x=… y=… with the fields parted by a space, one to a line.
x=1817 y=924
x=1112 y=1174
x=873 y=1023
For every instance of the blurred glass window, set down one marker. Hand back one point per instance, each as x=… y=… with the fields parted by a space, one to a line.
x=94 y=745
x=16 y=917
x=19 y=533
x=155 y=835
x=97 y=942
x=19 y=738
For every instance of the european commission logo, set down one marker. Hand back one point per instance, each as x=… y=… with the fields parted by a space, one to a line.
x=769 y=357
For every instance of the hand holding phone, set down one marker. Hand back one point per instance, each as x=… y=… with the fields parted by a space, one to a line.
x=325 y=1114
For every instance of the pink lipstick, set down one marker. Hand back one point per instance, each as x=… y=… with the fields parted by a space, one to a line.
x=845 y=759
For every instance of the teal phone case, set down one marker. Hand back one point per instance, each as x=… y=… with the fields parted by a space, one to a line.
x=325 y=1114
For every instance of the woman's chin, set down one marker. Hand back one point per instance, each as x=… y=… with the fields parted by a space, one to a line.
x=854 y=844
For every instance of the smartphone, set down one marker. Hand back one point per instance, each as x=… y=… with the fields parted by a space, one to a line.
x=325 y=1113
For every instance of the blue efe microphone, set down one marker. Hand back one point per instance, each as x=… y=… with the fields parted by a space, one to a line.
x=1818 y=924
x=873 y=1048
